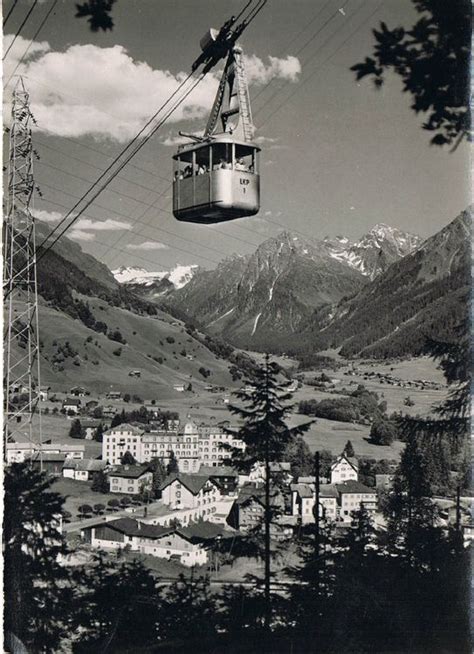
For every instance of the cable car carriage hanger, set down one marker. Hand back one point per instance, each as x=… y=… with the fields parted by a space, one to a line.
x=216 y=176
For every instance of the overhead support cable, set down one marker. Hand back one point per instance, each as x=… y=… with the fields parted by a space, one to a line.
x=35 y=36
x=20 y=28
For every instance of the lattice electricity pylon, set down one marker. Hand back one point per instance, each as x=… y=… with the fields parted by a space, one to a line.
x=21 y=336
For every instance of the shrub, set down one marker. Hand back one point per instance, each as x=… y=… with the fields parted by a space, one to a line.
x=117 y=352
x=383 y=432
x=170 y=339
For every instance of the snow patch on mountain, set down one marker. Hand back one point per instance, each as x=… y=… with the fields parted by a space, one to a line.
x=179 y=276
x=377 y=249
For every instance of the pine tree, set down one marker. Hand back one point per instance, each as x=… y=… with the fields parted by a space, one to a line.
x=266 y=437
x=172 y=466
x=118 y=604
x=127 y=458
x=76 y=430
x=349 y=450
x=100 y=482
x=36 y=585
x=99 y=433
x=159 y=475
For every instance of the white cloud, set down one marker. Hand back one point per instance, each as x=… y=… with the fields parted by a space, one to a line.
x=101 y=225
x=79 y=235
x=17 y=51
x=264 y=140
x=147 y=245
x=103 y=92
x=47 y=216
x=84 y=228
x=258 y=73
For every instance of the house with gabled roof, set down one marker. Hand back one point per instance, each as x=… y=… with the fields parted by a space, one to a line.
x=344 y=468
x=182 y=491
x=187 y=545
x=72 y=405
x=303 y=498
x=83 y=469
x=352 y=495
x=130 y=479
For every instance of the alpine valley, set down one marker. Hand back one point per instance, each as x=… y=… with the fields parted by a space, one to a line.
x=376 y=297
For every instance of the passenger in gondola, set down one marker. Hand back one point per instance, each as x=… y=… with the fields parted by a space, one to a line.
x=202 y=170
x=239 y=164
x=188 y=171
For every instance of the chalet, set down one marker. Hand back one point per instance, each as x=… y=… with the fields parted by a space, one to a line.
x=18 y=452
x=328 y=501
x=180 y=388
x=182 y=491
x=92 y=404
x=383 y=482
x=43 y=393
x=224 y=477
x=89 y=427
x=130 y=479
x=352 y=495
x=344 y=468
x=303 y=497
x=302 y=502
x=188 y=545
x=78 y=391
x=49 y=462
x=248 y=510
x=109 y=411
x=114 y=395
x=257 y=473
x=82 y=469
x=72 y=405
x=135 y=373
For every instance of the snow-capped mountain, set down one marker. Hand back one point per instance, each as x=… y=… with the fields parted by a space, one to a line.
x=375 y=251
x=176 y=278
x=266 y=295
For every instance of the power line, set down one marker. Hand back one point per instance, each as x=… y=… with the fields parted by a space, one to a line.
x=20 y=28
x=137 y=220
x=15 y=2
x=311 y=75
x=42 y=24
x=311 y=57
x=128 y=146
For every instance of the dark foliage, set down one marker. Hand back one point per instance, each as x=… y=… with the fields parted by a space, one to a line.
x=97 y=13
x=432 y=58
x=100 y=482
x=127 y=458
x=36 y=584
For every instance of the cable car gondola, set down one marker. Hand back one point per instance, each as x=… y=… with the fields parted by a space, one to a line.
x=216 y=177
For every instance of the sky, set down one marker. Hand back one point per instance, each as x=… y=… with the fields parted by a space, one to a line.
x=338 y=156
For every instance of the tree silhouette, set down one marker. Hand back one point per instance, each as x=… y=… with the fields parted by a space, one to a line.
x=159 y=475
x=36 y=585
x=99 y=433
x=100 y=482
x=172 y=466
x=127 y=458
x=266 y=437
x=97 y=13
x=116 y=604
x=349 y=449
x=76 y=430
x=433 y=60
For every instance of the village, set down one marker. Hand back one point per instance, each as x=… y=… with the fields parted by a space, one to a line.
x=168 y=488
